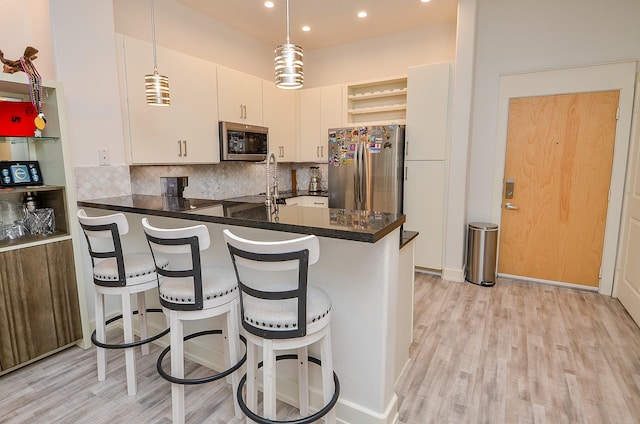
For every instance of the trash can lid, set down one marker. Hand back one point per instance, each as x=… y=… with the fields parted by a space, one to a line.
x=483 y=226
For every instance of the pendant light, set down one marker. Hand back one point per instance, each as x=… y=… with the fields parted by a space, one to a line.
x=156 y=86
x=288 y=63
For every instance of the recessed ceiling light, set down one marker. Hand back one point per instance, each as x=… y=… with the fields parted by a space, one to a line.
x=362 y=14
x=306 y=28
x=425 y=1
x=268 y=4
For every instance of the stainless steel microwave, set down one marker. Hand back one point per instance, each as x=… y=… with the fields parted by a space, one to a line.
x=243 y=142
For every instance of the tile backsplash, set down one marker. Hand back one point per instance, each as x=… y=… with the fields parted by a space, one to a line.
x=219 y=181
x=96 y=182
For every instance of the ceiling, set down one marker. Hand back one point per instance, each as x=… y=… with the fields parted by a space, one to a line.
x=332 y=22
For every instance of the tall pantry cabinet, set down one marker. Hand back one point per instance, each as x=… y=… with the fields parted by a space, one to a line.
x=427 y=138
x=42 y=298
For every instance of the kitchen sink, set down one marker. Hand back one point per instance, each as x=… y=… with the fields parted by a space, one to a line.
x=258 y=198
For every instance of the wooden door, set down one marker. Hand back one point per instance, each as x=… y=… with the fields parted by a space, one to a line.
x=559 y=156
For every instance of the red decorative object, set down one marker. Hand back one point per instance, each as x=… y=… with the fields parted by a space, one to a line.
x=17 y=119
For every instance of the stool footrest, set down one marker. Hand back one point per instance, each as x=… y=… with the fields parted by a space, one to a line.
x=202 y=380
x=304 y=420
x=95 y=341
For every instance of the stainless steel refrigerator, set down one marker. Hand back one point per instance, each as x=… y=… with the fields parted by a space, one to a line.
x=366 y=168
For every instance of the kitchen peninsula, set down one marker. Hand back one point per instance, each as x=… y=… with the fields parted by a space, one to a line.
x=361 y=266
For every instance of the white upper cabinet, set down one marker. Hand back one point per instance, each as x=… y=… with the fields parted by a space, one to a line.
x=428 y=96
x=184 y=132
x=279 y=112
x=309 y=125
x=332 y=104
x=318 y=110
x=239 y=97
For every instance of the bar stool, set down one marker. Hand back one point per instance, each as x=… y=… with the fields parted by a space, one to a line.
x=188 y=291
x=282 y=313
x=119 y=274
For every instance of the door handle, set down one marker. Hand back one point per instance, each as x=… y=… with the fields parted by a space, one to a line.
x=509 y=206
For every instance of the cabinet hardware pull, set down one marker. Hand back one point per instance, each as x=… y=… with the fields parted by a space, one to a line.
x=406 y=173
x=317 y=151
x=241 y=111
x=179 y=148
x=185 y=147
x=321 y=151
x=406 y=148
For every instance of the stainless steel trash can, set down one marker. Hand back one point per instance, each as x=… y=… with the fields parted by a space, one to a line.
x=482 y=247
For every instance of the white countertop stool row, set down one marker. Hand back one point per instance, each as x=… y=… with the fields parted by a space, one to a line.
x=266 y=288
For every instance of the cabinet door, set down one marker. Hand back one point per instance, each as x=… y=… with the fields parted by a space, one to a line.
x=309 y=126
x=239 y=97
x=315 y=201
x=279 y=112
x=424 y=208
x=39 y=309
x=332 y=114
x=428 y=88
x=187 y=130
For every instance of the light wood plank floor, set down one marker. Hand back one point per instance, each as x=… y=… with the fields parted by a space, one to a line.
x=517 y=352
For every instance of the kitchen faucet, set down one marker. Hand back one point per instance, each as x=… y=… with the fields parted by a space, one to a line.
x=272 y=180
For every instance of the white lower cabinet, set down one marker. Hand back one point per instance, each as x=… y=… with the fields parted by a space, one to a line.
x=308 y=201
x=279 y=111
x=424 y=208
x=184 y=132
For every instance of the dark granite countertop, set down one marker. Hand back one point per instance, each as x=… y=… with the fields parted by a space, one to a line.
x=362 y=226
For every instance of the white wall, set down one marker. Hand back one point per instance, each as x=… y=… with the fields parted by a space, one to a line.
x=520 y=35
x=185 y=30
x=381 y=57
x=85 y=53
x=26 y=23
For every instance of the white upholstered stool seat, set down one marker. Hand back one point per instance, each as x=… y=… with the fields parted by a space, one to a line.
x=138 y=267
x=218 y=287
x=119 y=273
x=188 y=291
x=281 y=311
x=284 y=314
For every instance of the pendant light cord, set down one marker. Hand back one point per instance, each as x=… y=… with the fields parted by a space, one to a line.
x=288 y=38
x=153 y=38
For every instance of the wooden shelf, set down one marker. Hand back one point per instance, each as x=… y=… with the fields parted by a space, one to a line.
x=377 y=109
x=379 y=94
x=377 y=100
x=23 y=139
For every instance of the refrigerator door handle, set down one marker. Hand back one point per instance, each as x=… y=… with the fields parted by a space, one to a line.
x=363 y=178
x=356 y=175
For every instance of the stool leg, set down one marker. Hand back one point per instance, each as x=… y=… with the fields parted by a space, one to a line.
x=233 y=356
x=252 y=386
x=303 y=380
x=142 y=320
x=327 y=375
x=129 y=353
x=100 y=336
x=177 y=367
x=269 y=379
